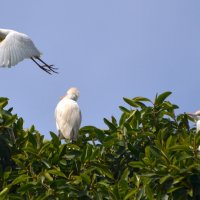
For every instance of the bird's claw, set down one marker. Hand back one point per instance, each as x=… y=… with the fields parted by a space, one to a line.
x=49 y=68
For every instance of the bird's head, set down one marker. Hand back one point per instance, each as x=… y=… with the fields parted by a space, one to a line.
x=195 y=115
x=73 y=93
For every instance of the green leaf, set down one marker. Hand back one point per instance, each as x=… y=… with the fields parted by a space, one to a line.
x=110 y=125
x=141 y=99
x=44 y=148
x=4 y=193
x=55 y=140
x=33 y=140
x=163 y=179
x=114 y=121
x=155 y=151
x=87 y=152
x=3 y=102
x=137 y=164
x=172 y=189
x=7 y=172
x=149 y=192
x=103 y=170
x=134 y=103
x=30 y=149
x=21 y=178
x=56 y=172
x=45 y=162
x=48 y=176
x=169 y=141
x=25 y=188
x=77 y=180
x=122 y=188
x=100 y=135
x=9 y=120
x=125 y=174
x=88 y=129
x=179 y=148
x=123 y=109
x=160 y=99
x=19 y=124
x=131 y=194
x=73 y=147
x=86 y=178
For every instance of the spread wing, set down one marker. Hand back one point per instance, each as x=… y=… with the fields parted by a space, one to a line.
x=15 y=47
x=68 y=118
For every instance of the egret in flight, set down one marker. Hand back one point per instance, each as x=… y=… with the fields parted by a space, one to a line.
x=68 y=115
x=15 y=47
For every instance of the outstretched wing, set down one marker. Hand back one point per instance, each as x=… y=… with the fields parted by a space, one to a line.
x=15 y=47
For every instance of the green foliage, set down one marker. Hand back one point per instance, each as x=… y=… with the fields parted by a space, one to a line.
x=149 y=154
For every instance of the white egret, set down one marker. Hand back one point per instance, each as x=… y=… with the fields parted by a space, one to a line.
x=196 y=116
x=15 y=47
x=68 y=115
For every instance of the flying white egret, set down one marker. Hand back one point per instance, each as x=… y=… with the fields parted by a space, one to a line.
x=15 y=47
x=68 y=115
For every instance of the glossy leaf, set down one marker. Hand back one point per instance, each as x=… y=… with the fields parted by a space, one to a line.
x=160 y=98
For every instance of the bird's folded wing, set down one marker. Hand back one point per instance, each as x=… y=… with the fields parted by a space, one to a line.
x=68 y=118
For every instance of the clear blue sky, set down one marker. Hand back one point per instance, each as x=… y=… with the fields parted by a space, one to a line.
x=109 y=49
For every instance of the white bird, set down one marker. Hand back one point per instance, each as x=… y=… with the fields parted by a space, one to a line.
x=196 y=116
x=15 y=47
x=68 y=115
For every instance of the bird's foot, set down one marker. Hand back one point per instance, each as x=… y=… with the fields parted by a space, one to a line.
x=49 y=68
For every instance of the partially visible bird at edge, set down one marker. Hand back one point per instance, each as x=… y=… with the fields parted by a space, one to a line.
x=68 y=115
x=16 y=46
x=196 y=117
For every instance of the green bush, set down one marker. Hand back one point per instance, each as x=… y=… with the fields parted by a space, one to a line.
x=149 y=154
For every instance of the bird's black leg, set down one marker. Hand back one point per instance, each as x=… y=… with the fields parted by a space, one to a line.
x=41 y=67
x=50 y=67
x=47 y=68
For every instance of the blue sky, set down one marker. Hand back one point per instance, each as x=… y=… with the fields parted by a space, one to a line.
x=108 y=49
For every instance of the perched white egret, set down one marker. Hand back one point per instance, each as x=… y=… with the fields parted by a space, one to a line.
x=68 y=115
x=15 y=47
x=196 y=116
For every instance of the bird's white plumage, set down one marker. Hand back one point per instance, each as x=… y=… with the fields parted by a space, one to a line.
x=15 y=47
x=68 y=115
x=196 y=116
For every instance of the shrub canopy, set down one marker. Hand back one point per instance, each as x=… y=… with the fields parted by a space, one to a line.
x=150 y=153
